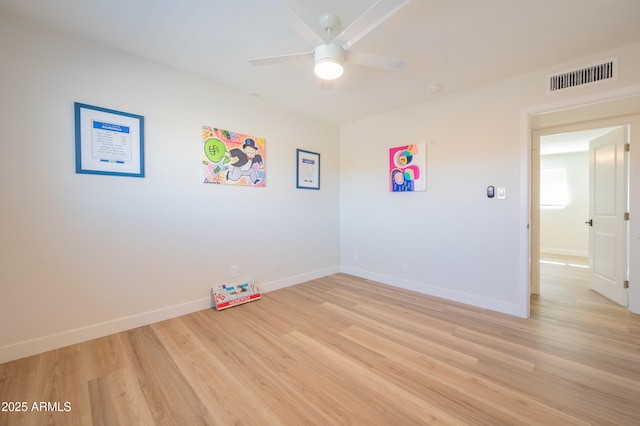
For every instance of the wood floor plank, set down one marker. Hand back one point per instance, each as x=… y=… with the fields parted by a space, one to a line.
x=426 y=342
x=216 y=370
x=482 y=399
x=401 y=405
x=346 y=350
x=260 y=365
x=170 y=397
x=117 y=399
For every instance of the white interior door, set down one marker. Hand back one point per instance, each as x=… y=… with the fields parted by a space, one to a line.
x=607 y=205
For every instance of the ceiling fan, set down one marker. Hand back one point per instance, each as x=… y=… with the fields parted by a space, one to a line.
x=331 y=52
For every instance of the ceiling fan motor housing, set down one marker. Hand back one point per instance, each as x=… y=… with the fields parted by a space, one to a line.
x=328 y=59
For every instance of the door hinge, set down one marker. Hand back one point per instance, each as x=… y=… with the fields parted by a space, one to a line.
x=626 y=283
x=627 y=147
x=626 y=216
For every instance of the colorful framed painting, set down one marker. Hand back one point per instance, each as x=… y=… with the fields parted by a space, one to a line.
x=408 y=168
x=108 y=142
x=308 y=169
x=231 y=158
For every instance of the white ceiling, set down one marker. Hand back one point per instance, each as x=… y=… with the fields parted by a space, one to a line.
x=457 y=44
x=561 y=143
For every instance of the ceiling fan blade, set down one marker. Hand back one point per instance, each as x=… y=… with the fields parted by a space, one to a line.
x=374 y=16
x=297 y=24
x=270 y=60
x=371 y=60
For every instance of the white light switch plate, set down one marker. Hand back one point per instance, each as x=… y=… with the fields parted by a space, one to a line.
x=501 y=193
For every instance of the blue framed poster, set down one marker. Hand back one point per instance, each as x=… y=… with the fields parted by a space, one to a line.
x=108 y=142
x=308 y=169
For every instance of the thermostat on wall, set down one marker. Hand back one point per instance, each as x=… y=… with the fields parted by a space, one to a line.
x=491 y=191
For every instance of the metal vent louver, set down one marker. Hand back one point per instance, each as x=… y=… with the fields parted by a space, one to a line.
x=590 y=74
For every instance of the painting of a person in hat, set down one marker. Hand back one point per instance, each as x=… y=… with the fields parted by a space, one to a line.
x=243 y=161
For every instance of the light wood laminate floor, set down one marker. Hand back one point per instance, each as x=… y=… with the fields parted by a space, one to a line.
x=344 y=350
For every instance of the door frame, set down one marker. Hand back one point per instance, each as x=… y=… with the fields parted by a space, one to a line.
x=616 y=104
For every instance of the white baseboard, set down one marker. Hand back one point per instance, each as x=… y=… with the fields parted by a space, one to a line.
x=456 y=296
x=564 y=252
x=70 y=337
x=298 y=279
x=46 y=343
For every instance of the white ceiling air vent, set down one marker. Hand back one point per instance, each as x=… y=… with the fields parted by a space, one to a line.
x=590 y=74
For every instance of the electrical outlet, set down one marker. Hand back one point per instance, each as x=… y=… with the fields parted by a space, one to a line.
x=233 y=271
x=404 y=267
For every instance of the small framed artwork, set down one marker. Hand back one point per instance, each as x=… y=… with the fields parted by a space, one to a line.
x=108 y=142
x=308 y=170
x=408 y=168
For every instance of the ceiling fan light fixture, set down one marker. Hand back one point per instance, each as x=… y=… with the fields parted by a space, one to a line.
x=328 y=69
x=329 y=59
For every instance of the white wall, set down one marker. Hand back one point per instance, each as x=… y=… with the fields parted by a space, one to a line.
x=456 y=242
x=562 y=230
x=84 y=255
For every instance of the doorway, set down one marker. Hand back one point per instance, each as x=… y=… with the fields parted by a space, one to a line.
x=609 y=112
x=566 y=211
